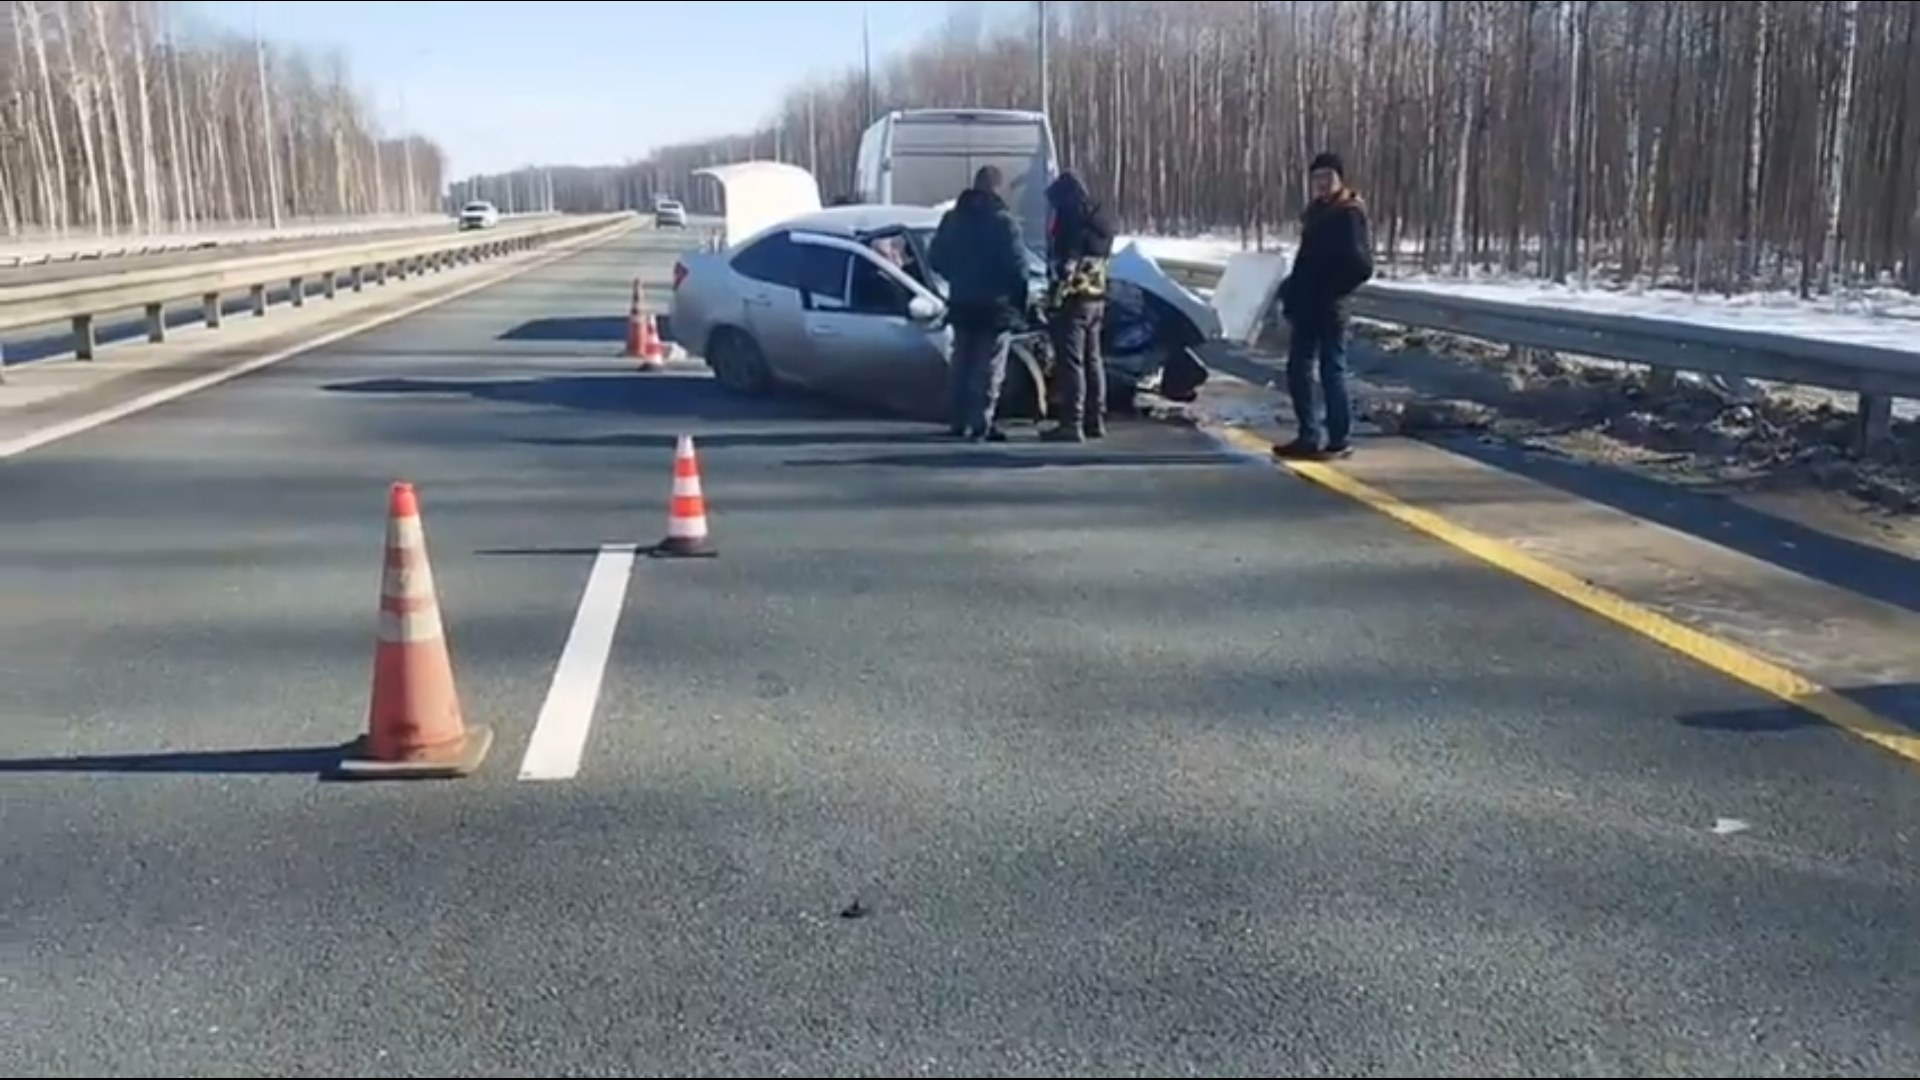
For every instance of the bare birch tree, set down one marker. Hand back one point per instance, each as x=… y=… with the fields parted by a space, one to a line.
x=1706 y=143
x=112 y=122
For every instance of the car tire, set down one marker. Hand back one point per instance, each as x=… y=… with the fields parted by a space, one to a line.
x=737 y=363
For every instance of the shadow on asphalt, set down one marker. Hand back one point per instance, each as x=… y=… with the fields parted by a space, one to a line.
x=320 y=761
x=572 y=328
x=539 y=552
x=1899 y=702
x=1869 y=571
x=738 y=440
x=1037 y=458
x=682 y=394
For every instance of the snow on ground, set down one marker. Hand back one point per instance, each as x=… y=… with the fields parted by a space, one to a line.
x=1886 y=318
x=1735 y=434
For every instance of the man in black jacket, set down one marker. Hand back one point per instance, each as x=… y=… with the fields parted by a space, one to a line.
x=977 y=250
x=1079 y=242
x=1334 y=258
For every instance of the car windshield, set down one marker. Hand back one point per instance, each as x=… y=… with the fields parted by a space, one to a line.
x=923 y=239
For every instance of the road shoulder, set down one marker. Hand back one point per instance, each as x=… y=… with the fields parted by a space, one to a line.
x=1827 y=650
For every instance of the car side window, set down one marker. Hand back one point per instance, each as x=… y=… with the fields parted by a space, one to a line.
x=823 y=276
x=773 y=259
x=873 y=292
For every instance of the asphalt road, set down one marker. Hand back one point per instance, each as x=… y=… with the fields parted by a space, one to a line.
x=1133 y=760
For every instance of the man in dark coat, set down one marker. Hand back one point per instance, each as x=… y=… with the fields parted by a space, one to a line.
x=1335 y=257
x=1079 y=242
x=978 y=251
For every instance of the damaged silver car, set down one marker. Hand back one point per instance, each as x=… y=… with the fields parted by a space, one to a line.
x=840 y=302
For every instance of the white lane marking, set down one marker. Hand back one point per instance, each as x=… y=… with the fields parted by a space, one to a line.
x=560 y=734
x=66 y=429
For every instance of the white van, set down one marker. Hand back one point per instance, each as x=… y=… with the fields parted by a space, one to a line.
x=926 y=157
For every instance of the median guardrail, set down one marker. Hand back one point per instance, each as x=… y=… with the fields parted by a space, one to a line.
x=83 y=302
x=1875 y=375
x=18 y=253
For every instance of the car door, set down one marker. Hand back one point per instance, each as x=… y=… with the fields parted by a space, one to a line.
x=767 y=278
x=865 y=344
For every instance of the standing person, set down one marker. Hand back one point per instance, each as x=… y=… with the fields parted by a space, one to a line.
x=1334 y=258
x=1079 y=242
x=977 y=250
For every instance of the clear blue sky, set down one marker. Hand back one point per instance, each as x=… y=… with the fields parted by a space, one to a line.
x=502 y=85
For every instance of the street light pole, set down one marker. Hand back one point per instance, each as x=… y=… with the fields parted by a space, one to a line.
x=866 y=55
x=1040 y=47
x=267 y=141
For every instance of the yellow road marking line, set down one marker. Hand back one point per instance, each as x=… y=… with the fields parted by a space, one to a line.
x=1722 y=656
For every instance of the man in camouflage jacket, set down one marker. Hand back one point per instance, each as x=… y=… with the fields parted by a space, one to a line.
x=1079 y=242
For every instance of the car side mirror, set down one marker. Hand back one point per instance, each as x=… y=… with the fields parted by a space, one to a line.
x=923 y=310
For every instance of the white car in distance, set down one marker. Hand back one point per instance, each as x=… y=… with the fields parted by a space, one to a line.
x=479 y=215
x=669 y=214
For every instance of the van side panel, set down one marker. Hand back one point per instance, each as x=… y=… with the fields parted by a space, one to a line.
x=869 y=167
x=932 y=158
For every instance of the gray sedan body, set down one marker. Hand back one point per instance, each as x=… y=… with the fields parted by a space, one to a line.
x=840 y=302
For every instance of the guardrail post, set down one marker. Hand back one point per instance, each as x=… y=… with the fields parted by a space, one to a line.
x=258 y=296
x=1875 y=421
x=380 y=273
x=156 y=315
x=359 y=274
x=331 y=288
x=297 y=292
x=210 y=312
x=85 y=341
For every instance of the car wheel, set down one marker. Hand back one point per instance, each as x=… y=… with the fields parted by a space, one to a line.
x=737 y=362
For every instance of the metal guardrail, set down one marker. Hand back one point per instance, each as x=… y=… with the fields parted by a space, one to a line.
x=82 y=302
x=1876 y=375
x=20 y=254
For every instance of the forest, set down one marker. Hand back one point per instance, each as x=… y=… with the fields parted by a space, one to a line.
x=1704 y=143
x=115 y=118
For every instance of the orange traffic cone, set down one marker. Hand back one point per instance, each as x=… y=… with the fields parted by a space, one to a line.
x=653 y=351
x=687 y=514
x=414 y=726
x=643 y=334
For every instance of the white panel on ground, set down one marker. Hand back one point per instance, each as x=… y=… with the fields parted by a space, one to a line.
x=1247 y=290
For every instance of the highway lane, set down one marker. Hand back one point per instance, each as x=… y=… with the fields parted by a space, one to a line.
x=1131 y=760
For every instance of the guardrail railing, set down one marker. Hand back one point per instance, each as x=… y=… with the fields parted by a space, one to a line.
x=22 y=253
x=1875 y=375
x=81 y=303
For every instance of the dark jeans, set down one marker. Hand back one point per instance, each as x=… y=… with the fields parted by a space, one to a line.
x=1081 y=370
x=974 y=375
x=1319 y=341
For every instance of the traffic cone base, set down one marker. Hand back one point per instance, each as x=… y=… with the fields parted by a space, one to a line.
x=414 y=725
x=449 y=761
x=676 y=547
x=687 y=536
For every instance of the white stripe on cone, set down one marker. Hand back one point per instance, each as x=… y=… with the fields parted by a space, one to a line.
x=408 y=580
x=412 y=627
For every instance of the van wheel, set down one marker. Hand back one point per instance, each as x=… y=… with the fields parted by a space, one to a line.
x=737 y=362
